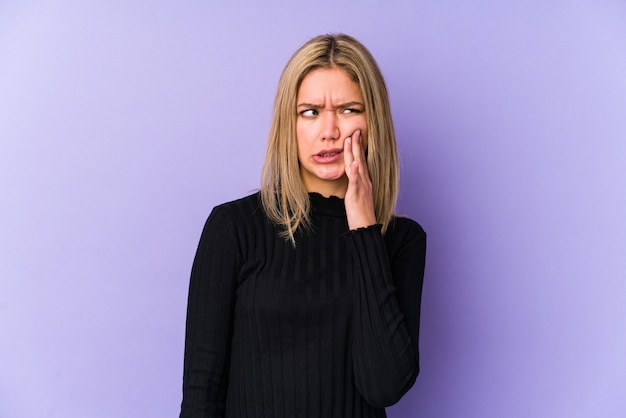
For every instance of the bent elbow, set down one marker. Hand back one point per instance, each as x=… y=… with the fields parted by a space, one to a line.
x=387 y=392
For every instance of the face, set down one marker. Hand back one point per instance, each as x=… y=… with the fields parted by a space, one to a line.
x=330 y=109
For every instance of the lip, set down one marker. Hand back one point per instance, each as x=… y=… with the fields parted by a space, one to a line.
x=328 y=155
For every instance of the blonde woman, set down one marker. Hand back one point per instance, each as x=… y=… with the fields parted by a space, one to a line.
x=304 y=298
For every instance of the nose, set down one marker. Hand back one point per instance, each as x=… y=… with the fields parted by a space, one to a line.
x=330 y=127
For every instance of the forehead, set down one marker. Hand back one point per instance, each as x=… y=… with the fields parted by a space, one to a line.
x=335 y=83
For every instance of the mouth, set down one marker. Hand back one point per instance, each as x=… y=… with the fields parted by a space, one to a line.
x=328 y=156
x=329 y=153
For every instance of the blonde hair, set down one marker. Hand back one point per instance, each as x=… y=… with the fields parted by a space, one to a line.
x=283 y=194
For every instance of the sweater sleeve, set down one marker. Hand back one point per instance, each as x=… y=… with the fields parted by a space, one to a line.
x=209 y=319
x=387 y=293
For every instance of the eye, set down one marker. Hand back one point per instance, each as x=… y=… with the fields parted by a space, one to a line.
x=309 y=113
x=350 y=110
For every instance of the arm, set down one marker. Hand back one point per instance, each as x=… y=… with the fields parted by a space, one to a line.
x=387 y=284
x=209 y=319
x=387 y=293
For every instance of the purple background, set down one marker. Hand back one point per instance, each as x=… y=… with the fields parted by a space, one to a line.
x=122 y=123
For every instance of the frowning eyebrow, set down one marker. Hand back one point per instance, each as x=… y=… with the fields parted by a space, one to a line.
x=339 y=106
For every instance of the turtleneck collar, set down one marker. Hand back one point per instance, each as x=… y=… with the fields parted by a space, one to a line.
x=333 y=205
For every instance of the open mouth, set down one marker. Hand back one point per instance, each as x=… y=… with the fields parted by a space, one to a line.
x=329 y=154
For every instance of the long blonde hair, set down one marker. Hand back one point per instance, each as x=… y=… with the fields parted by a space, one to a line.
x=283 y=194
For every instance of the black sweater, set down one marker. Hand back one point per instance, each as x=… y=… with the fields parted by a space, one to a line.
x=326 y=329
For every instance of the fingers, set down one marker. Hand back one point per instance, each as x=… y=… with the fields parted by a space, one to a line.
x=357 y=149
x=353 y=153
x=348 y=156
x=358 y=199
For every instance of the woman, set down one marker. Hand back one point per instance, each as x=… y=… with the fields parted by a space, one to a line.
x=304 y=298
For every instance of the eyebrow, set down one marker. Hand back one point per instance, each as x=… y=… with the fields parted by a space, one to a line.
x=339 y=106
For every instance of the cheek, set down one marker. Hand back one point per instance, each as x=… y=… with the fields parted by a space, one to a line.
x=353 y=124
x=304 y=131
x=300 y=137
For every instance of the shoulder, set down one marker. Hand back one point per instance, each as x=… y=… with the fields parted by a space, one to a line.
x=406 y=242
x=230 y=222
x=237 y=212
x=242 y=206
x=404 y=227
x=405 y=233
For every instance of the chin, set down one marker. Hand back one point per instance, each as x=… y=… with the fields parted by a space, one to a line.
x=333 y=173
x=332 y=176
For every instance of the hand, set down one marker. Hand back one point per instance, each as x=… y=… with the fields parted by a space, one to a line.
x=359 y=199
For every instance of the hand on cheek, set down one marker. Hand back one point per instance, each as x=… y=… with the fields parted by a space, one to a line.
x=359 y=199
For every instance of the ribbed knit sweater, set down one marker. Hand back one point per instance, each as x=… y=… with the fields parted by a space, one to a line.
x=328 y=328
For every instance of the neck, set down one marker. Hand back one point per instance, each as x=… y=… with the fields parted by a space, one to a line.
x=329 y=188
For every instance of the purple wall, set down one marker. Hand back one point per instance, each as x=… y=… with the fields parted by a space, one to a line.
x=123 y=123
